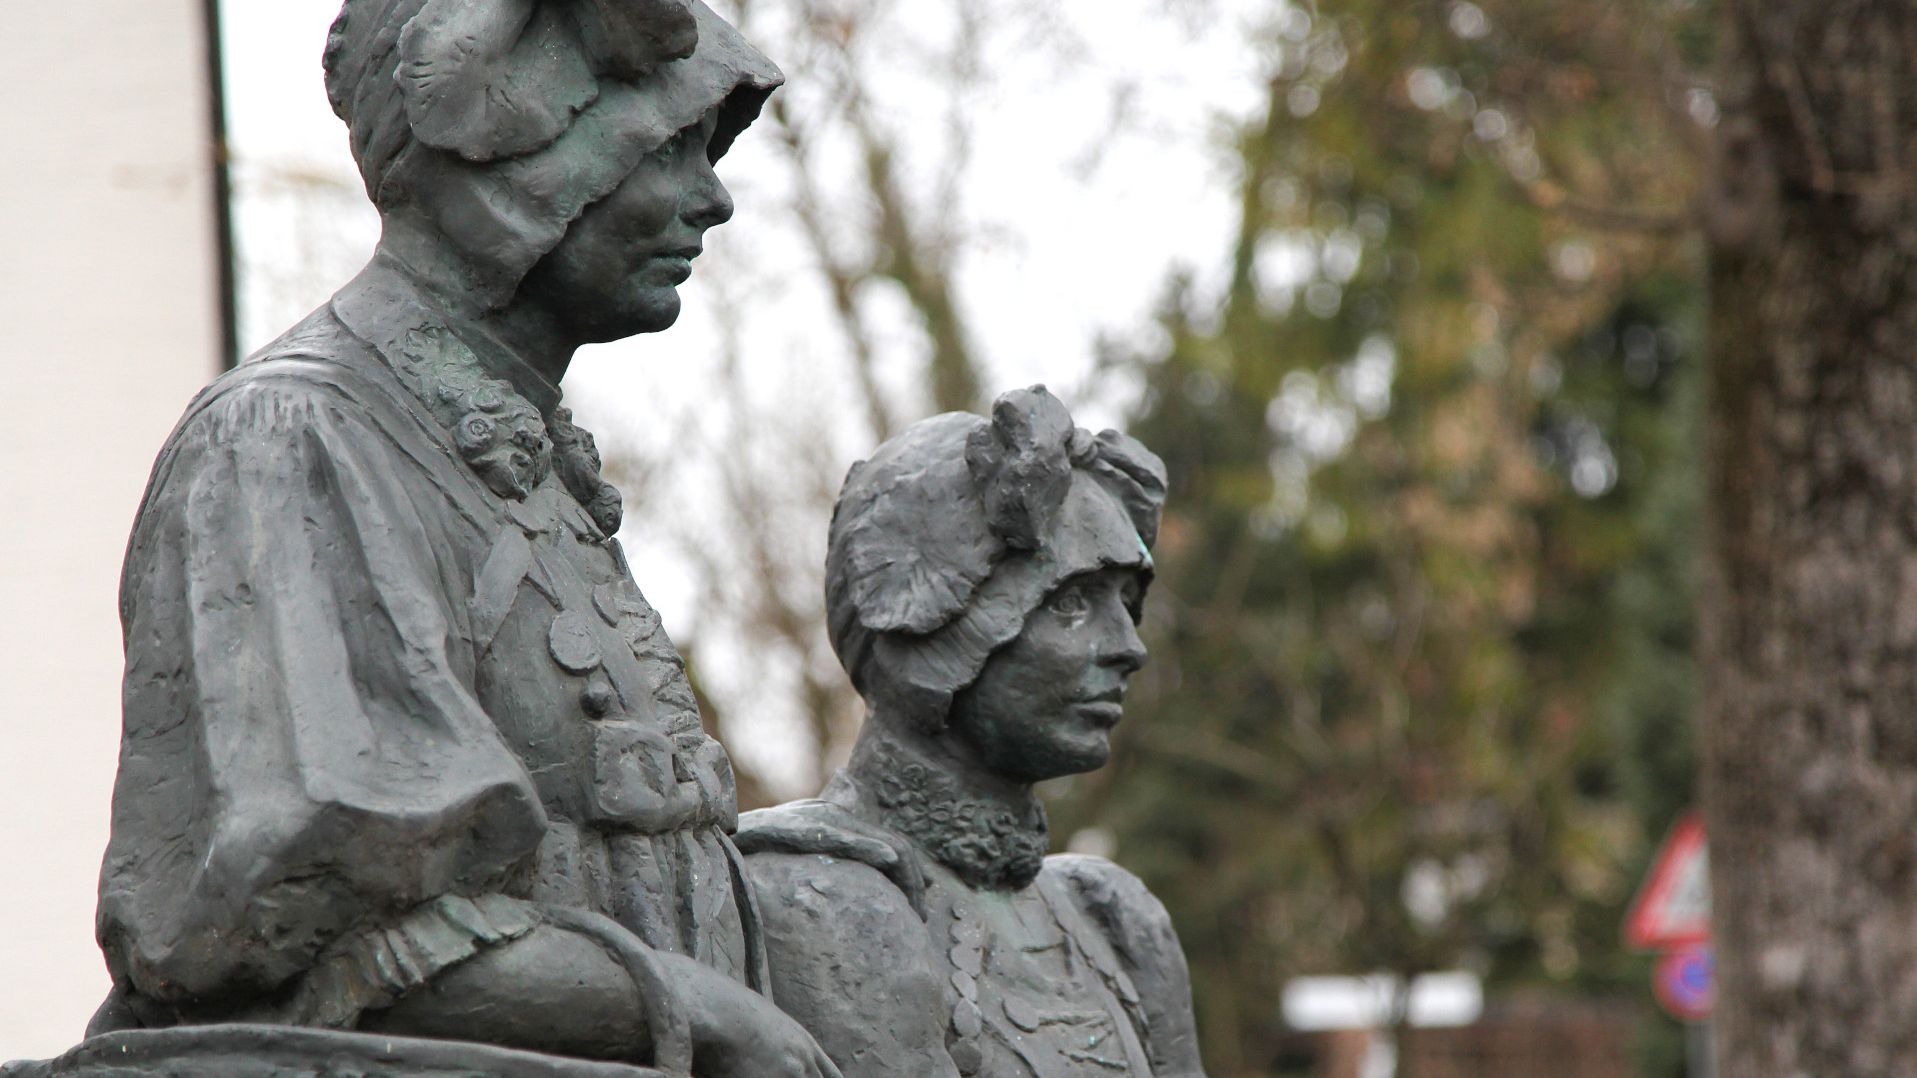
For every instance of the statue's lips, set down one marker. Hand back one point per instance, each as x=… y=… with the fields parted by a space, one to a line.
x=1104 y=710
x=674 y=268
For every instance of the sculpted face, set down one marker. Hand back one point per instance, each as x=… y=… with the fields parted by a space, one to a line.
x=617 y=271
x=1045 y=704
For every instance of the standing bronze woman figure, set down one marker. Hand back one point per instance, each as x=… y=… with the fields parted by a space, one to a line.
x=982 y=581
x=406 y=751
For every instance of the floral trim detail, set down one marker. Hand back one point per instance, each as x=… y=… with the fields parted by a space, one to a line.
x=576 y=456
x=982 y=841
x=500 y=434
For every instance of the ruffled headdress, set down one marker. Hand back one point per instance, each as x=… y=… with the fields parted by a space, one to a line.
x=503 y=120
x=497 y=122
x=958 y=528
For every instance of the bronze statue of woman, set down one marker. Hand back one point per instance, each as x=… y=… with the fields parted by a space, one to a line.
x=411 y=778
x=983 y=578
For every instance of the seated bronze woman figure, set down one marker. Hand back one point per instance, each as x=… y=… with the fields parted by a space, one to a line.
x=982 y=581
x=411 y=781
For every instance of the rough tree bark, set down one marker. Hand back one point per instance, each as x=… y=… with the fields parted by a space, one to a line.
x=1810 y=615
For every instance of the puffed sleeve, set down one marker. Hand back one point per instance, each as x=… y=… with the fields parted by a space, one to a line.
x=302 y=762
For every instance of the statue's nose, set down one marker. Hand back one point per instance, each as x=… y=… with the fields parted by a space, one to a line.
x=1120 y=646
x=708 y=204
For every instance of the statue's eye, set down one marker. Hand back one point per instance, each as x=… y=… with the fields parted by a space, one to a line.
x=1070 y=602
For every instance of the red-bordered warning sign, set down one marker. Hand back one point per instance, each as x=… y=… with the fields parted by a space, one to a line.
x=1673 y=910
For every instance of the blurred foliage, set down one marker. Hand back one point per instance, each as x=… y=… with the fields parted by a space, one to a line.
x=1422 y=690
x=1422 y=693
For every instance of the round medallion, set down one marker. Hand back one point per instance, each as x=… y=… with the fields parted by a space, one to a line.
x=968 y=934
x=573 y=645
x=967 y=1056
x=968 y=959
x=966 y=1019
x=1022 y=1014
x=617 y=599
x=642 y=633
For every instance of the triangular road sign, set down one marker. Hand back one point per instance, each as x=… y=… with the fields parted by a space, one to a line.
x=1674 y=907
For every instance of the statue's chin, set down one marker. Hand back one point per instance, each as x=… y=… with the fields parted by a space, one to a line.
x=1092 y=758
x=651 y=310
x=1083 y=751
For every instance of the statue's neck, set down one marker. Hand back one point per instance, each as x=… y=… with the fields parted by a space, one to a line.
x=503 y=416
x=517 y=342
x=990 y=831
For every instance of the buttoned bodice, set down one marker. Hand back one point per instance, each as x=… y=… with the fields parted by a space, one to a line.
x=588 y=691
x=1034 y=989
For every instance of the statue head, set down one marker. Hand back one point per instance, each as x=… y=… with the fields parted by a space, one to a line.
x=984 y=578
x=546 y=150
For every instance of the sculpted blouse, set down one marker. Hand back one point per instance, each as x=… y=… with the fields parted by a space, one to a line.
x=384 y=708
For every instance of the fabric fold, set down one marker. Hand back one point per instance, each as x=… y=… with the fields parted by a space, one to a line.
x=300 y=755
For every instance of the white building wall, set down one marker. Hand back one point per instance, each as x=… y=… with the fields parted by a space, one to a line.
x=109 y=321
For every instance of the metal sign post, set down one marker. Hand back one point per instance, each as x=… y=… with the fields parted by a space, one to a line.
x=1672 y=915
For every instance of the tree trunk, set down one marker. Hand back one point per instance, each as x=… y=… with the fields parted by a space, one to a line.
x=1810 y=599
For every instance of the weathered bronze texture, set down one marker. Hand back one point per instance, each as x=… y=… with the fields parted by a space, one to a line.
x=983 y=581
x=412 y=782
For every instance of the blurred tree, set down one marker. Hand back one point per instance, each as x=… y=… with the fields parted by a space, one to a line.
x=1422 y=687
x=866 y=223
x=1809 y=639
x=875 y=206
x=1421 y=690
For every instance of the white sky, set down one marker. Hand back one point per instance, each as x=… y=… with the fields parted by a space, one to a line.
x=1081 y=208
x=1067 y=253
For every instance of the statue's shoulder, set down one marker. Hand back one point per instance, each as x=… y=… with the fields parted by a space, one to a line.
x=317 y=361
x=1141 y=935
x=1107 y=891
x=835 y=896
x=317 y=392
x=314 y=401
x=785 y=842
x=1122 y=908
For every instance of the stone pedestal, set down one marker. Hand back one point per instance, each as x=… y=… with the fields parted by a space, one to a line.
x=248 y=1051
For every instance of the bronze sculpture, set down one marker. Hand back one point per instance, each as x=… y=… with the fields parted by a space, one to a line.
x=983 y=578
x=411 y=780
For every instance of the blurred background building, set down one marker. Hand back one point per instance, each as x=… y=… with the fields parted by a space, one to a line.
x=112 y=314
